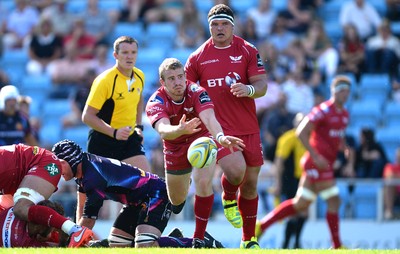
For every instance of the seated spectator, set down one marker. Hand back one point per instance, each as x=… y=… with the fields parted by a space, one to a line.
x=14 y=126
x=278 y=121
x=296 y=89
x=4 y=79
x=362 y=15
x=393 y=10
x=98 y=23
x=62 y=19
x=383 y=51
x=164 y=11
x=78 y=100
x=275 y=63
x=81 y=40
x=391 y=192
x=44 y=48
x=24 y=103
x=19 y=25
x=299 y=16
x=265 y=104
x=131 y=11
x=102 y=61
x=263 y=17
x=69 y=70
x=248 y=32
x=191 y=32
x=370 y=156
x=344 y=164
x=319 y=48
x=280 y=36
x=395 y=93
x=351 y=51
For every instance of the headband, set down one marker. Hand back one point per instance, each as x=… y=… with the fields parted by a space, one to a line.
x=221 y=16
x=340 y=87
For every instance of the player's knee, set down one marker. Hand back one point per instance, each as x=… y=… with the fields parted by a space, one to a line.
x=116 y=240
x=145 y=240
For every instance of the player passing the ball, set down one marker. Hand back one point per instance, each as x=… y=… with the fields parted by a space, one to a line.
x=233 y=74
x=181 y=112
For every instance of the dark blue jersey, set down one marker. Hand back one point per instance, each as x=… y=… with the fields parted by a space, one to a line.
x=13 y=129
x=110 y=179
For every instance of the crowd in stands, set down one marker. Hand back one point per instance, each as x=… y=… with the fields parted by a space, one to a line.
x=68 y=41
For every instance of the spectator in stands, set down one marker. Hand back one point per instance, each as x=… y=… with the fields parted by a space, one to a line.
x=44 y=48
x=351 y=51
x=78 y=99
x=69 y=70
x=19 y=25
x=62 y=19
x=81 y=40
x=345 y=161
x=296 y=89
x=248 y=31
x=274 y=125
x=263 y=17
x=280 y=36
x=4 y=79
x=24 y=103
x=391 y=192
x=370 y=156
x=164 y=11
x=362 y=15
x=299 y=16
x=393 y=10
x=191 y=31
x=14 y=126
x=275 y=63
x=395 y=93
x=383 y=51
x=98 y=23
x=131 y=11
x=319 y=48
x=265 y=104
x=102 y=61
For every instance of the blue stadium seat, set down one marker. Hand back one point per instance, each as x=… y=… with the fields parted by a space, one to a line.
x=334 y=31
x=365 y=200
x=161 y=34
x=204 y=5
x=76 y=6
x=79 y=134
x=329 y=11
x=240 y=7
x=7 y=5
x=110 y=5
x=391 y=114
x=365 y=113
x=374 y=86
x=135 y=30
x=279 y=5
x=49 y=133
x=390 y=139
x=181 y=54
x=395 y=27
x=13 y=62
x=150 y=57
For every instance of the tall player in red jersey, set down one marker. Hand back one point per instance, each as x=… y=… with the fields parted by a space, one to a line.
x=31 y=175
x=322 y=133
x=182 y=112
x=232 y=72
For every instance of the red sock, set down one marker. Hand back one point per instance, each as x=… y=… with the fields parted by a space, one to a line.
x=282 y=211
x=202 y=212
x=333 y=223
x=46 y=216
x=229 y=189
x=248 y=209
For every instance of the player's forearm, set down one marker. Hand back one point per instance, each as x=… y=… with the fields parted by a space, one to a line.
x=260 y=86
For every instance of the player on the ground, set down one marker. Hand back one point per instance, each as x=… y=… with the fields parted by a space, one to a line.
x=31 y=174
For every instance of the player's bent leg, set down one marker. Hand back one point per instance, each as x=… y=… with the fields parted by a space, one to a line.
x=120 y=238
x=177 y=187
x=146 y=236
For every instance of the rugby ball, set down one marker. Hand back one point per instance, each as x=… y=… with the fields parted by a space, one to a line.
x=202 y=152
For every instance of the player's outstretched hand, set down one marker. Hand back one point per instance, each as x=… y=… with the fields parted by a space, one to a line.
x=232 y=142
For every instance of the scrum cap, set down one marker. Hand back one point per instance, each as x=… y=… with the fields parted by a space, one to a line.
x=69 y=151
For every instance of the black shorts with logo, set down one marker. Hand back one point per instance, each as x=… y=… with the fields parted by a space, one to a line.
x=103 y=145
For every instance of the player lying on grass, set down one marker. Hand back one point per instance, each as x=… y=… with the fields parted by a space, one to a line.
x=31 y=174
x=146 y=210
x=20 y=233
